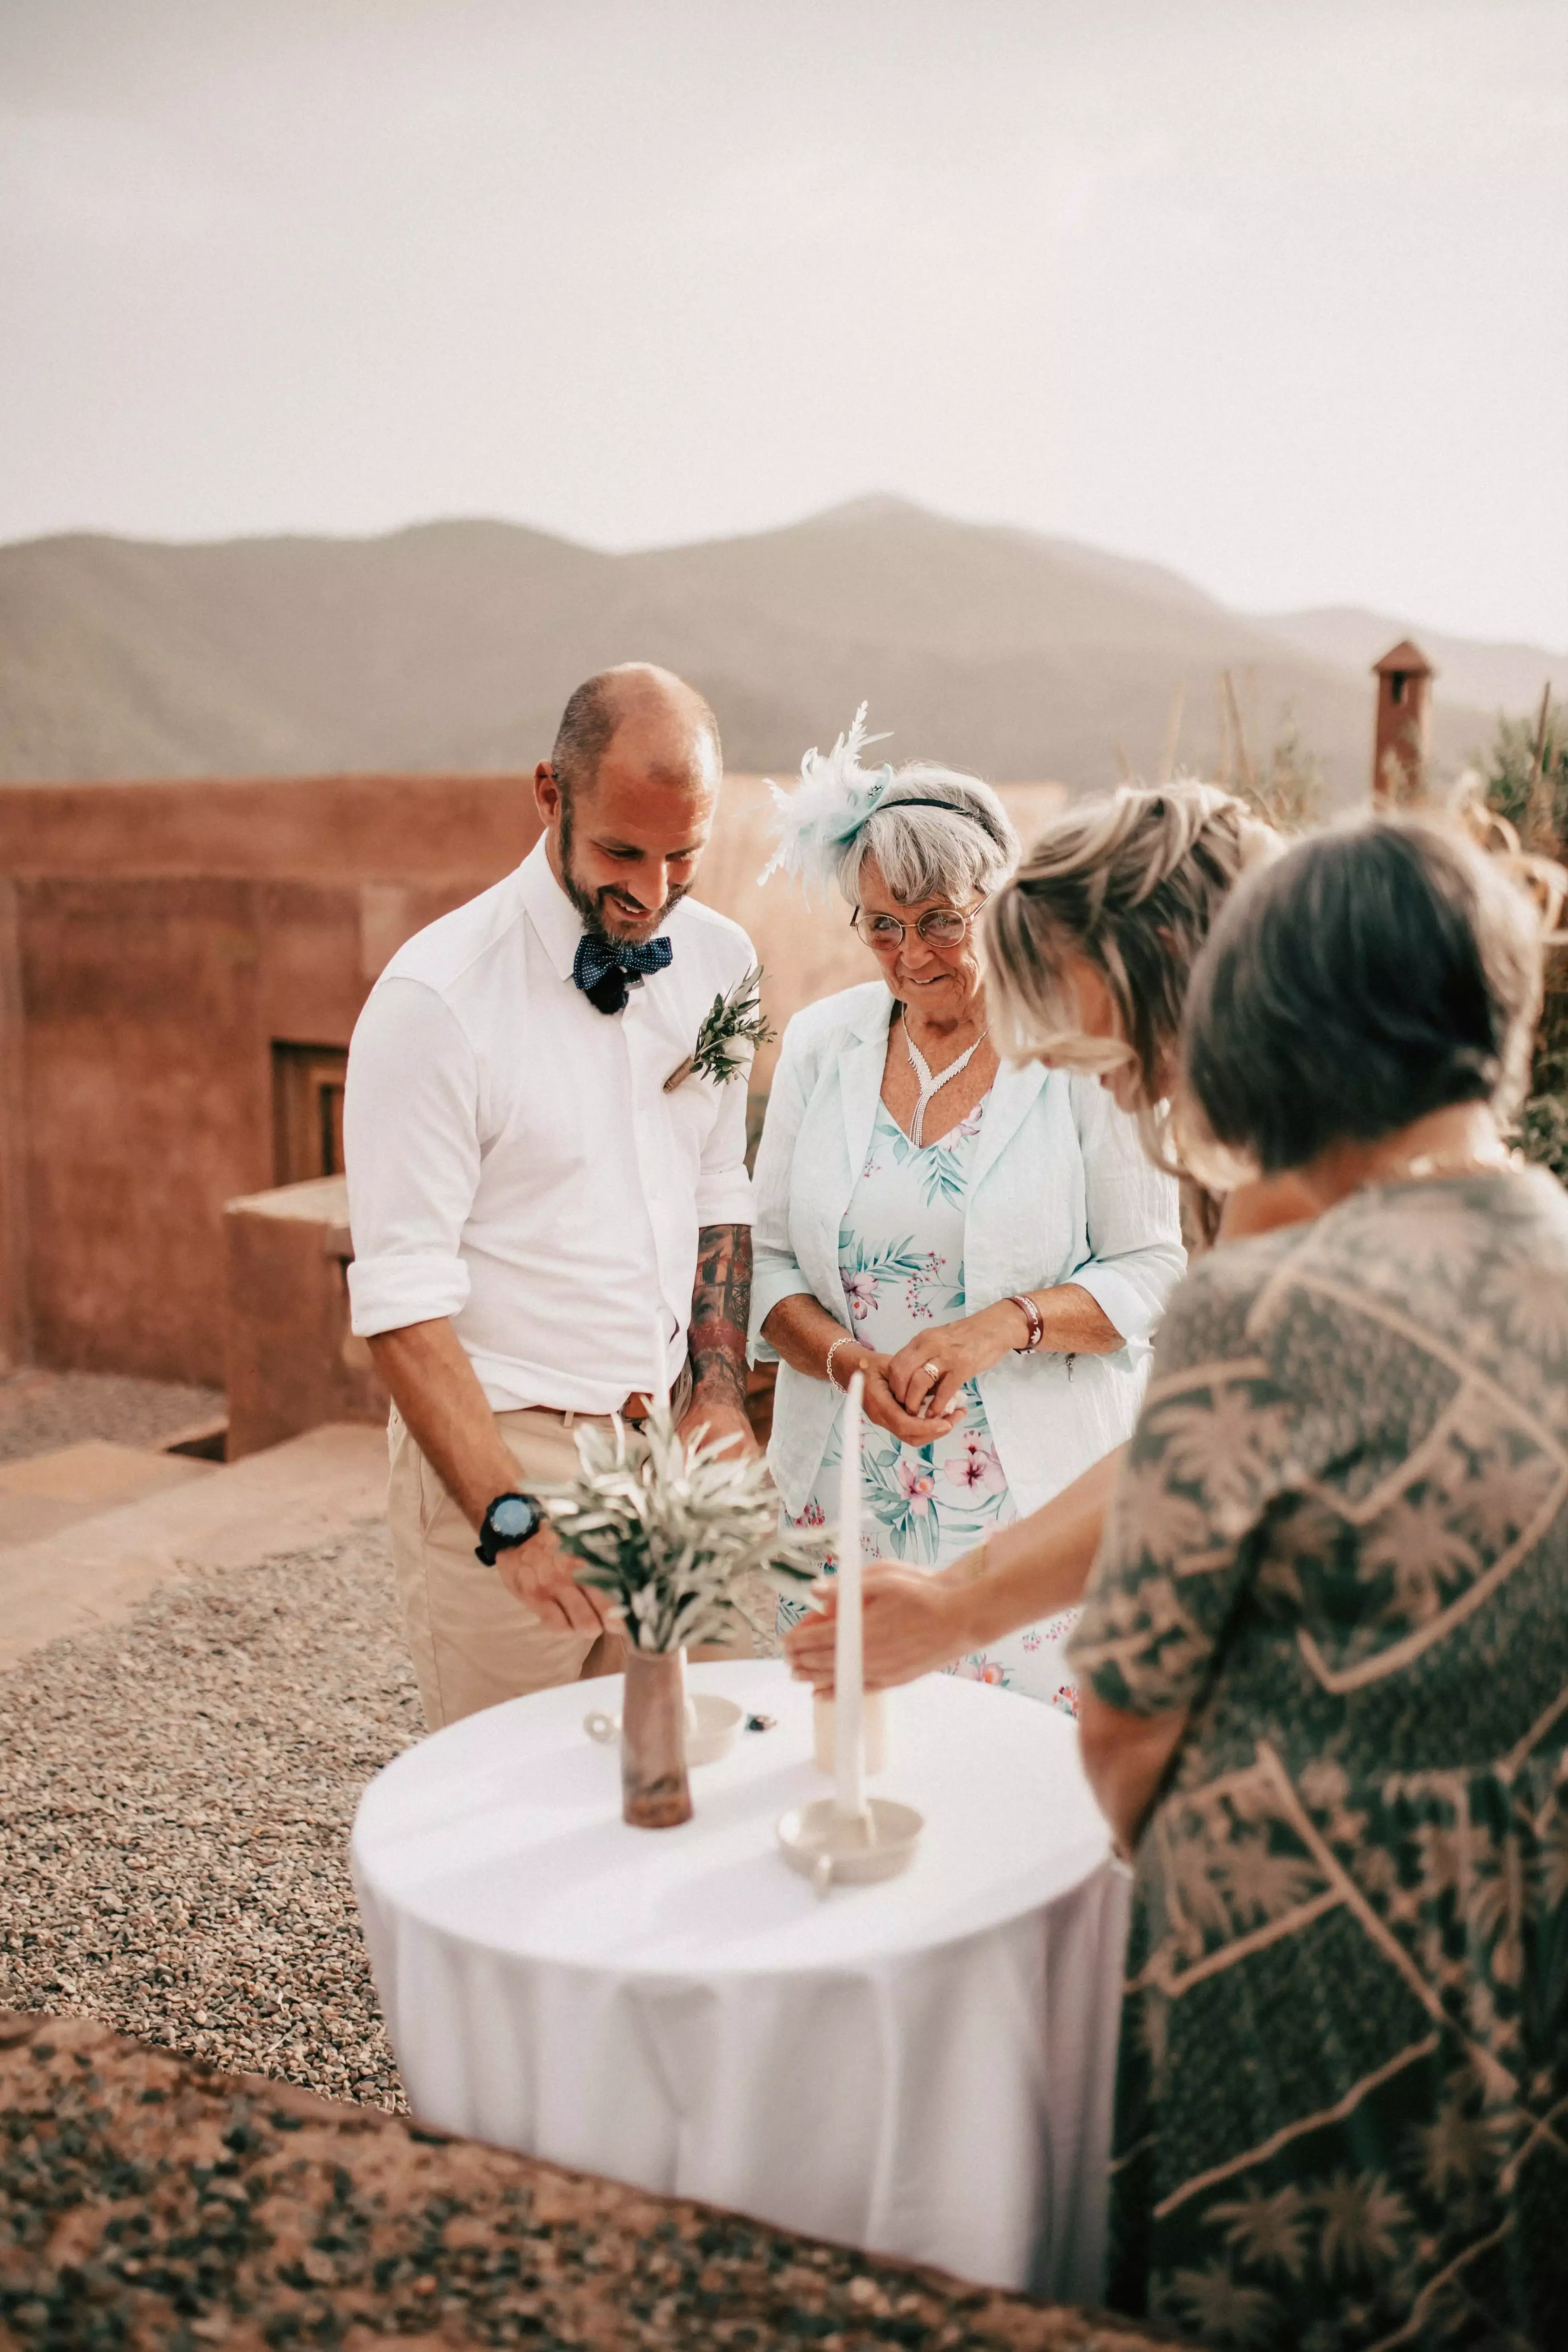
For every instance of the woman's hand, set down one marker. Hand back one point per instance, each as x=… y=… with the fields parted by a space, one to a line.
x=928 y=1372
x=912 y=1624
x=883 y=1405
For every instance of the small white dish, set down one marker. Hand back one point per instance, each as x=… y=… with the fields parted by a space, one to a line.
x=823 y=1844
x=711 y=1723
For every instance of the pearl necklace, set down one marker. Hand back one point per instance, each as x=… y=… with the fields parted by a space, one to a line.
x=929 y=1086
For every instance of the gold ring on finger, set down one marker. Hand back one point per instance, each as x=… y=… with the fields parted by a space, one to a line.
x=932 y=1372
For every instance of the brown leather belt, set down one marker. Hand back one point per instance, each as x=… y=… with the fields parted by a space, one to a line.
x=636 y=1407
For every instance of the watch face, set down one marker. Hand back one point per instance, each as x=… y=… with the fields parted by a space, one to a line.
x=513 y=1516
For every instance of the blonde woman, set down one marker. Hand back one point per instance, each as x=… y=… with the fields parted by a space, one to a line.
x=1089 y=950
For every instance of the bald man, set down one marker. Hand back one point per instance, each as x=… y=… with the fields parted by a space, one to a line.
x=541 y=1233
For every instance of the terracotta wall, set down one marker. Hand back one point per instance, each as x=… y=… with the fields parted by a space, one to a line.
x=385 y=829
x=155 y=939
x=154 y=942
x=291 y=1361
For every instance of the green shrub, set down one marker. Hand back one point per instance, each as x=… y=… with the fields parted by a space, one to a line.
x=1509 y=772
x=1543 y=1132
x=1511 y=765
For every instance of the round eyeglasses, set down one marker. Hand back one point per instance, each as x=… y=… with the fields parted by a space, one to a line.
x=940 y=927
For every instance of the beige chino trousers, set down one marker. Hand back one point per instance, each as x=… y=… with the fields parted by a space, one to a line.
x=473 y=1643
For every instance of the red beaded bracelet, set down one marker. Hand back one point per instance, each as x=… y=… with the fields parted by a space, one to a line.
x=1034 y=1319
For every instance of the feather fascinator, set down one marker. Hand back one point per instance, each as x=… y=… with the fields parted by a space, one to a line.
x=836 y=795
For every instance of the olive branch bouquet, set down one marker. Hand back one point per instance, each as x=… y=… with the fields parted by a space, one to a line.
x=735 y=1019
x=669 y=1527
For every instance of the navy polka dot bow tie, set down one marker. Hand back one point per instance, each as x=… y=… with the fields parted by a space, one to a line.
x=607 y=970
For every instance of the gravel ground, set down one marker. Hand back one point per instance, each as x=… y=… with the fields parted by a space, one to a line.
x=176 y=1795
x=41 y=1411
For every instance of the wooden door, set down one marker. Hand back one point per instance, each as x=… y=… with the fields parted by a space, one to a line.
x=308 y=1110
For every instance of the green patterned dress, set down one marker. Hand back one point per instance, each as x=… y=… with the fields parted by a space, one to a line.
x=1341 y=1541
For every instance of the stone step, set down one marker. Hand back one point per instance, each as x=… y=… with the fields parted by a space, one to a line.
x=93 y=1572
x=45 y=1492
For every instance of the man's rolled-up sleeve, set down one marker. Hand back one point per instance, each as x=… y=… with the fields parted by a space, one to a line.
x=1133 y=1217
x=411 y=1146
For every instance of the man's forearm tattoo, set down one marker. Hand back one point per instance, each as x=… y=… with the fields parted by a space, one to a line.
x=720 y=1310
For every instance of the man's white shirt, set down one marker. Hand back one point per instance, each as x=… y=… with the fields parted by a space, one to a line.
x=513 y=1159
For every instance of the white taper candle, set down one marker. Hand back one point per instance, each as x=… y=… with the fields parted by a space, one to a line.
x=848 y=1747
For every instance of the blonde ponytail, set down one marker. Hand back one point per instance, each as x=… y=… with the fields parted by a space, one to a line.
x=1130 y=883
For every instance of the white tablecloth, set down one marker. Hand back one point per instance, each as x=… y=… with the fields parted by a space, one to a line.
x=922 y=2068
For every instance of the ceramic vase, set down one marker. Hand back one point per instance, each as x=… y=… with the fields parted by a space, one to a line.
x=655 y=1792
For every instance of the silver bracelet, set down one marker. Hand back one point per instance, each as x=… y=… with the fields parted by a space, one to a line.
x=846 y=1341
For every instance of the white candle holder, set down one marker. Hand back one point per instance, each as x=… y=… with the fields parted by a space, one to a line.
x=824 y=1844
x=711 y=1723
x=849 y=1836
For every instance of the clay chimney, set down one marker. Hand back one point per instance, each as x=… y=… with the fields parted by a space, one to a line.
x=1399 y=754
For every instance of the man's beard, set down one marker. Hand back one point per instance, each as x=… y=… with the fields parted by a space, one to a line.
x=599 y=909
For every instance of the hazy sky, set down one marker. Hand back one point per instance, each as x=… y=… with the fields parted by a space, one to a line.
x=1275 y=292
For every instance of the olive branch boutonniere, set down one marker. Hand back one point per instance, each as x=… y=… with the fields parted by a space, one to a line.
x=733 y=1020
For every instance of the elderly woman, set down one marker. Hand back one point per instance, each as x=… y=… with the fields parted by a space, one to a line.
x=989 y=1247
x=1090 y=948
x=1325 y=1649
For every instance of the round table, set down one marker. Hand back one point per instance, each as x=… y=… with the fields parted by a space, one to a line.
x=922 y=2068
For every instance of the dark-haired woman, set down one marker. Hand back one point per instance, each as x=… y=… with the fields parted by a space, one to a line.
x=1324 y=1655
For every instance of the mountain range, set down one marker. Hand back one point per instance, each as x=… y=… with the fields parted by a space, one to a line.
x=451 y=646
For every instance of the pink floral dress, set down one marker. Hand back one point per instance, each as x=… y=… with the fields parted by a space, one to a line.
x=900 y=1260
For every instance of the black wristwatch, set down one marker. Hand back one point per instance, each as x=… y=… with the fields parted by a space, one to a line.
x=510 y=1521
